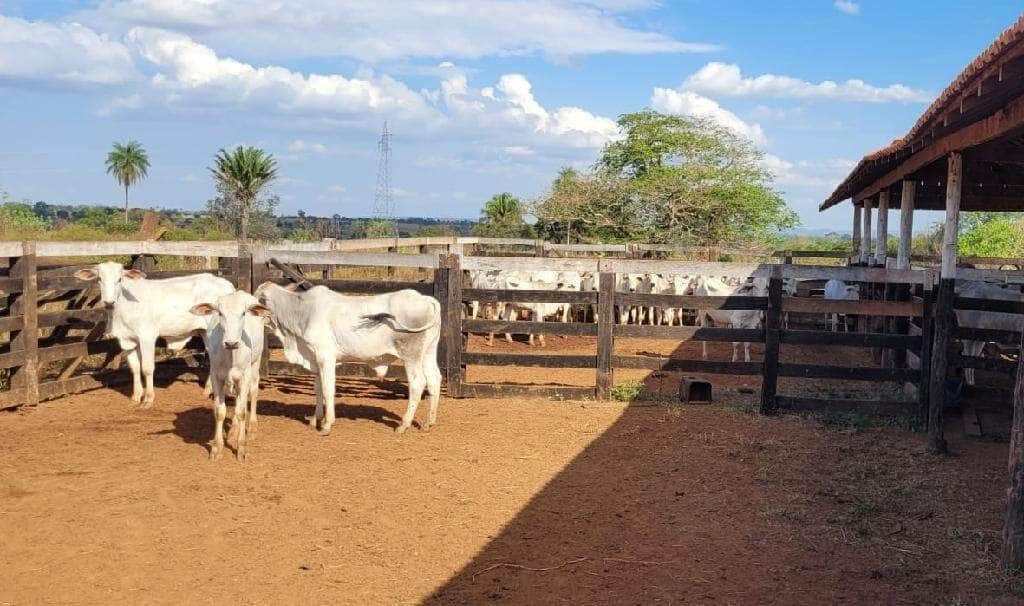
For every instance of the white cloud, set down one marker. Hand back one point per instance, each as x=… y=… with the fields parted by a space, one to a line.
x=847 y=6
x=687 y=103
x=518 y=150
x=192 y=74
x=817 y=175
x=299 y=146
x=726 y=79
x=62 y=54
x=511 y=106
x=374 y=31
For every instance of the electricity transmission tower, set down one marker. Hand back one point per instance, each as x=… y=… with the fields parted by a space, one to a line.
x=383 y=201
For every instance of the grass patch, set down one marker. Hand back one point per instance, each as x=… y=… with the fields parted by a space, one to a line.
x=627 y=391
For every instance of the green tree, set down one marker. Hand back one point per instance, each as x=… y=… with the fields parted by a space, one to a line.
x=670 y=179
x=242 y=177
x=374 y=228
x=502 y=217
x=129 y=164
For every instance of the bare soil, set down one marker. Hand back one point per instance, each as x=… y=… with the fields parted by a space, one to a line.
x=512 y=501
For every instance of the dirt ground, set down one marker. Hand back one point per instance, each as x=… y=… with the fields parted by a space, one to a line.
x=517 y=502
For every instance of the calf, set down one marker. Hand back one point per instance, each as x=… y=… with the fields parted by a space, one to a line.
x=837 y=290
x=235 y=345
x=320 y=327
x=143 y=310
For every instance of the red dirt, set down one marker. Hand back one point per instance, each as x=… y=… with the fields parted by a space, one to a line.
x=101 y=503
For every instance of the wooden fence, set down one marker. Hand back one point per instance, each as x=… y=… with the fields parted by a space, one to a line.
x=51 y=342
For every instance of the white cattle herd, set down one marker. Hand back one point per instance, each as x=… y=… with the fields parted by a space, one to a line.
x=319 y=327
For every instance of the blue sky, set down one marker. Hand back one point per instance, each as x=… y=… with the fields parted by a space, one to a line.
x=483 y=95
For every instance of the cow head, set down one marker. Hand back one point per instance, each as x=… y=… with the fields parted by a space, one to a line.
x=231 y=311
x=110 y=275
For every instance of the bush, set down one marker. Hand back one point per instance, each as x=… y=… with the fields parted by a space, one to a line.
x=627 y=391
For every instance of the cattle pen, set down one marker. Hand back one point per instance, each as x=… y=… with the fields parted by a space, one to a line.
x=57 y=347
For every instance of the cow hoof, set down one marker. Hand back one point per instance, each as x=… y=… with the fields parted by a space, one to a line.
x=401 y=429
x=215 y=454
x=241 y=455
x=324 y=431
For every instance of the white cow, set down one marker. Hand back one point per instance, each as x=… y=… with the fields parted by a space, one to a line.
x=320 y=327
x=143 y=310
x=541 y=280
x=740 y=318
x=789 y=287
x=235 y=345
x=837 y=290
x=970 y=318
x=627 y=283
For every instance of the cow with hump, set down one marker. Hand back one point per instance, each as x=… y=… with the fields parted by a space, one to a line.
x=235 y=345
x=319 y=327
x=142 y=310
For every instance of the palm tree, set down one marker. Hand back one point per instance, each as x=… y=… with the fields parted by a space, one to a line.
x=243 y=174
x=502 y=209
x=128 y=163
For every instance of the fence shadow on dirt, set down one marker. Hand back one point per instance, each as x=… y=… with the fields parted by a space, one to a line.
x=660 y=507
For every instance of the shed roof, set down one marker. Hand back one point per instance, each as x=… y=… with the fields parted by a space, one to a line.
x=984 y=88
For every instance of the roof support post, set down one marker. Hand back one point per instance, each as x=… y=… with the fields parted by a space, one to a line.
x=856 y=231
x=906 y=223
x=882 y=228
x=954 y=178
x=865 y=243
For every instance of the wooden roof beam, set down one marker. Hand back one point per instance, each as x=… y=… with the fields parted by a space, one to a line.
x=1007 y=122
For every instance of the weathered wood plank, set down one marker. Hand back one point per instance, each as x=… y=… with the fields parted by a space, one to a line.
x=527 y=328
x=605 y=336
x=77 y=317
x=773 y=327
x=528 y=264
x=528 y=296
x=690 y=333
x=71 y=350
x=226 y=248
x=354 y=258
x=989 y=335
x=529 y=360
x=12 y=359
x=691 y=301
x=850 y=339
x=684 y=365
x=858 y=307
x=814 y=371
x=9 y=323
x=990 y=364
x=993 y=305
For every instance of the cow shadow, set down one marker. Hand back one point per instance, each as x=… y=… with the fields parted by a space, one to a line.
x=302 y=413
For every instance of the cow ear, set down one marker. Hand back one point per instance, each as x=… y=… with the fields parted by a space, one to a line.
x=292 y=287
x=259 y=310
x=202 y=309
x=135 y=274
x=86 y=274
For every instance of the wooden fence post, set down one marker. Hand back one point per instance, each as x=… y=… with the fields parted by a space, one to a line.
x=452 y=323
x=605 y=334
x=772 y=327
x=927 y=330
x=941 y=345
x=27 y=307
x=391 y=268
x=258 y=275
x=1012 y=553
x=441 y=294
x=244 y=269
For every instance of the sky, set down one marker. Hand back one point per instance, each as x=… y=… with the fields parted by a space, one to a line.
x=482 y=96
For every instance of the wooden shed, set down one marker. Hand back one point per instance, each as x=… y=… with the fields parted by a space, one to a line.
x=966 y=152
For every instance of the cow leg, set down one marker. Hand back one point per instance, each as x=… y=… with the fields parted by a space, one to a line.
x=239 y=423
x=147 y=353
x=250 y=418
x=417 y=382
x=433 y=375
x=835 y=322
x=135 y=364
x=327 y=392
x=511 y=315
x=318 y=413
x=220 y=410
